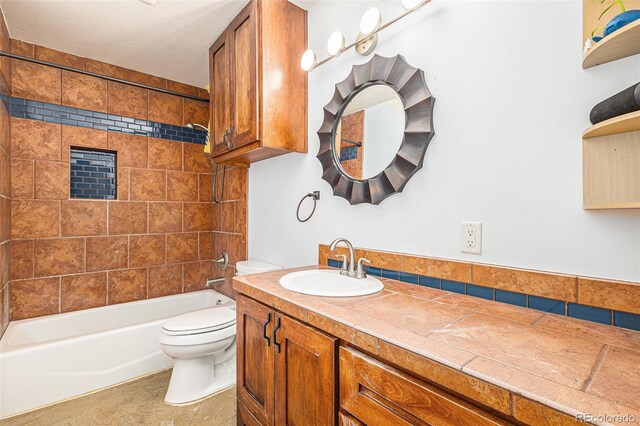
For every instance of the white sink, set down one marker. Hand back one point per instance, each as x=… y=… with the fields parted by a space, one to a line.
x=329 y=284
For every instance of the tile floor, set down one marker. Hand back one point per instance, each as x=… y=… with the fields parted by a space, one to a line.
x=140 y=402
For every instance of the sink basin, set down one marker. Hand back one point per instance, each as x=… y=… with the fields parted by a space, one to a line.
x=329 y=284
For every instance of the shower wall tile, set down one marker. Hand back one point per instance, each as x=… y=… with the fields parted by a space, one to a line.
x=23 y=48
x=148 y=79
x=34 y=298
x=165 y=108
x=105 y=69
x=35 y=218
x=182 y=247
x=182 y=186
x=146 y=250
x=79 y=137
x=195 y=275
x=126 y=285
x=83 y=291
x=147 y=185
x=197 y=216
x=22 y=178
x=127 y=218
x=5 y=181
x=60 y=58
x=127 y=100
x=83 y=218
x=196 y=112
x=194 y=161
x=205 y=245
x=132 y=150
x=35 y=140
x=165 y=155
x=22 y=259
x=165 y=280
x=59 y=256
x=52 y=180
x=165 y=217
x=83 y=91
x=35 y=82
x=107 y=253
x=185 y=89
x=205 y=183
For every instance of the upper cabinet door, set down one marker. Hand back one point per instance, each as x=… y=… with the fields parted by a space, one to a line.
x=244 y=81
x=220 y=72
x=305 y=374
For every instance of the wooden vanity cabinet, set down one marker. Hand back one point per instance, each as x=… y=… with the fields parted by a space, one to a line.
x=258 y=90
x=286 y=370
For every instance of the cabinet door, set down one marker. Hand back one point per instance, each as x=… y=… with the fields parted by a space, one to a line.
x=377 y=394
x=305 y=374
x=255 y=359
x=220 y=78
x=244 y=76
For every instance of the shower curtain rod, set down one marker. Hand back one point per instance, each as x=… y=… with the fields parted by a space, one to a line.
x=106 y=77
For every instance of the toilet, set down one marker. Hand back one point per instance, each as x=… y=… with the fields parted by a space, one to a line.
x=203 y=347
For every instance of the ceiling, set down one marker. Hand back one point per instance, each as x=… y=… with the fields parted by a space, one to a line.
x=170 y=39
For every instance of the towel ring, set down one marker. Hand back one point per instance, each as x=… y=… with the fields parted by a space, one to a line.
x=316 y=196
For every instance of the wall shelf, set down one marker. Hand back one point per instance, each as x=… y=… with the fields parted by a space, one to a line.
x=622 y=43
x=622 y=124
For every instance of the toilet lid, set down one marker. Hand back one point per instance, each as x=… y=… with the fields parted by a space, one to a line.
x=202 y=321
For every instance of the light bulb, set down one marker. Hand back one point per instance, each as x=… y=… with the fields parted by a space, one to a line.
x=335 y=43
x=308 y=60
x=370 y=21
x=412 y=4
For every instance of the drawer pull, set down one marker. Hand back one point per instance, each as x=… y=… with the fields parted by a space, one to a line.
x=264 y=329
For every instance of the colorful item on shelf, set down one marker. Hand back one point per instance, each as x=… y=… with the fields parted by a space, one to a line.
x=620 y=21
x=621 y=103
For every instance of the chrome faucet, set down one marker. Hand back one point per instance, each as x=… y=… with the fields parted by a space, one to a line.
x=348 y=267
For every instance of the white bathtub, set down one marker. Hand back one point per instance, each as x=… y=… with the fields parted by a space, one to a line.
x=49 y=359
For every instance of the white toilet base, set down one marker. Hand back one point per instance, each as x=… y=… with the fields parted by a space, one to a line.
x=193 y=379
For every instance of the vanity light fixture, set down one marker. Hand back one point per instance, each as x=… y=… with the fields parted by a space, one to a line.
x=335 y=45
x=367 y=39
x=308 y=61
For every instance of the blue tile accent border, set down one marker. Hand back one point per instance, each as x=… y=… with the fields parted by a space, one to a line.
x=350 y=153
x=60 y=114
x=573 y=310
x=93 y=174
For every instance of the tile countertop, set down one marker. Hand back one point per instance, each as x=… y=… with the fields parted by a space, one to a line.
x=567 y=364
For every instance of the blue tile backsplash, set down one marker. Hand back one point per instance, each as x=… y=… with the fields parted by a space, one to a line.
x=93 y=174
x=350 y=153
x=53 y=113
x=574 y=310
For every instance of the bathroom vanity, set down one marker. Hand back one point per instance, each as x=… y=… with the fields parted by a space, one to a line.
x=402 y=356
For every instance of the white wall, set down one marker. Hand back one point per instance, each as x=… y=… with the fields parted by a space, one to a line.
x=383 y=131
x=512 y=102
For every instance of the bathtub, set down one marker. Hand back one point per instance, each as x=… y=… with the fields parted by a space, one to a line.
x=49 y=359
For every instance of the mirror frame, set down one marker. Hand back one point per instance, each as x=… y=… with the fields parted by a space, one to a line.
x=410 y=85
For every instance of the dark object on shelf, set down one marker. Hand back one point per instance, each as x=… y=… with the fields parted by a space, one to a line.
x=621 y=103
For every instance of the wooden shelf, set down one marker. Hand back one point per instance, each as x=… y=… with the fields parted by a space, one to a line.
x=622 y=124
x=622 y=43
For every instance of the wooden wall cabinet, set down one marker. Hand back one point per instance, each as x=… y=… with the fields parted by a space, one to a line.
x=258 y=90
x=286 y=370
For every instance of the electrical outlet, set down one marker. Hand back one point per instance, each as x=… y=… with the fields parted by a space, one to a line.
x=471 y=237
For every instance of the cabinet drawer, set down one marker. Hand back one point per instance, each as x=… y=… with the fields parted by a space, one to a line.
x=377 y=394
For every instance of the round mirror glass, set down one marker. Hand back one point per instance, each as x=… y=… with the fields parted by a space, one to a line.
x=369 y=132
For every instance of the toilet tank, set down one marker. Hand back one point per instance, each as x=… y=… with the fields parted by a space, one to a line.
x=247 y=267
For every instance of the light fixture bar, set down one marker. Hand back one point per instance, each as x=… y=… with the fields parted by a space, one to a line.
x=372 y=35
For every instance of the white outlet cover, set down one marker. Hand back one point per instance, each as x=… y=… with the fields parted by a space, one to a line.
x=471 y=237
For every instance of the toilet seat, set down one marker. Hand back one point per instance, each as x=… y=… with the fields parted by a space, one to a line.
x=199 y=322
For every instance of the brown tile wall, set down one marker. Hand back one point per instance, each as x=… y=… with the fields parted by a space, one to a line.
x=617 y=295
x=158 y=238
x=5 y=180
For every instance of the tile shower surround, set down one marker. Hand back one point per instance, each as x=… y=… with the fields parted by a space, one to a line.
x=5 y=181
x=601 y=301
x=158 y=238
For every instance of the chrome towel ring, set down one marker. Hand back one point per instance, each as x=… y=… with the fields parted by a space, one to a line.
x=315 y=195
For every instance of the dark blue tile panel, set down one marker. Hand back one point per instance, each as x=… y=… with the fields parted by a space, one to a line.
x=589 y=313
x=53 y=113
x=453 y=286
x=409 y=278
x=511 y=298
x=430 y=282
x=547 y=305
x=386 y=273
x=334 y=263
x=93 y=174
x=626 y=320
x=350 y=153
x=478 y=291
x=372 y=270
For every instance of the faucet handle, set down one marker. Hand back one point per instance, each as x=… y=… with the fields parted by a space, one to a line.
x=344 y=269
x=360 y=273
